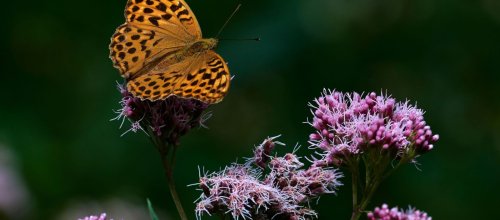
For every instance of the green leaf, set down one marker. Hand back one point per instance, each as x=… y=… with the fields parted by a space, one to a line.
x=152 y=213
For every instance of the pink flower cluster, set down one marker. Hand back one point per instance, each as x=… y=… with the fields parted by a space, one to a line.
x=92 y=217
x=283 y=193
x=384 y=213
x=169 y=119
x=350 y=123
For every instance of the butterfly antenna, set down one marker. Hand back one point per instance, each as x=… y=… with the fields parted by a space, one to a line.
x=254 y=39
x=227 y=21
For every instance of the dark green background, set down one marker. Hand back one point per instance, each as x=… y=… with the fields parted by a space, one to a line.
x=58 y=91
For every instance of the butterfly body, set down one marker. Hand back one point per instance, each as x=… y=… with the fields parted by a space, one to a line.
x=201 y=46
x=194 y=49
x=160 y=52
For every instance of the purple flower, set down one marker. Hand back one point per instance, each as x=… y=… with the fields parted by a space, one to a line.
x=167 y=119
x=262 y=153
x=92 y=217
x=249 y=193
x=349 y=124
x=384 y=213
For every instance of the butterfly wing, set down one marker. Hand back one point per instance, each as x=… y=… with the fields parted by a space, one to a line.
x=134 y=50
x=172 y=17
x=204 y=76
x=154 y=30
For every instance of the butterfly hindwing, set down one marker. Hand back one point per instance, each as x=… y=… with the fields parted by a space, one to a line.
x=208 y=80
x=204 y=77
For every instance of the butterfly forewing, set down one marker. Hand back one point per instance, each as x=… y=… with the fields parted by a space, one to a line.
x=172 y=17
x=204 y=77
x=133 y=48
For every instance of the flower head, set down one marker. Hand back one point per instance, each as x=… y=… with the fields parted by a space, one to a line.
x=384 y=213
x=349 y=124
x=283 y=193
x=92 y=217
x=167 y=119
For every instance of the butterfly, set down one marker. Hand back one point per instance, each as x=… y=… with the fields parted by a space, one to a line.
x=160 y=52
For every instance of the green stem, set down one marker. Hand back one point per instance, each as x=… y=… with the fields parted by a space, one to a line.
x=354 y=167
x=168 y=162
x=373 y=166
x=354 y=191
x=371 y=189
x=374 y=177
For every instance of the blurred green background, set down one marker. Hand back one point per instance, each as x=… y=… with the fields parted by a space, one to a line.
x=67 y=159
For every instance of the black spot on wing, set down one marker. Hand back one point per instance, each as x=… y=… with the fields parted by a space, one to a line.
x=190 y=77
x=175 y=7
x=161 y=7
x=121 y=38
x=154 y=20
x=156 y=42
x=186 y=19
x=206 y=76
x=213 y=64
x=166 y=16
x=216 y=69
x=183 y=12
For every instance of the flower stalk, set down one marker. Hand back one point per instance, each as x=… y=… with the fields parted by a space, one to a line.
x=168 y=165
x=167 y=153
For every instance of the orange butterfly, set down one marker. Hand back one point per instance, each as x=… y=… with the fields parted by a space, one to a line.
x=159 y=50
